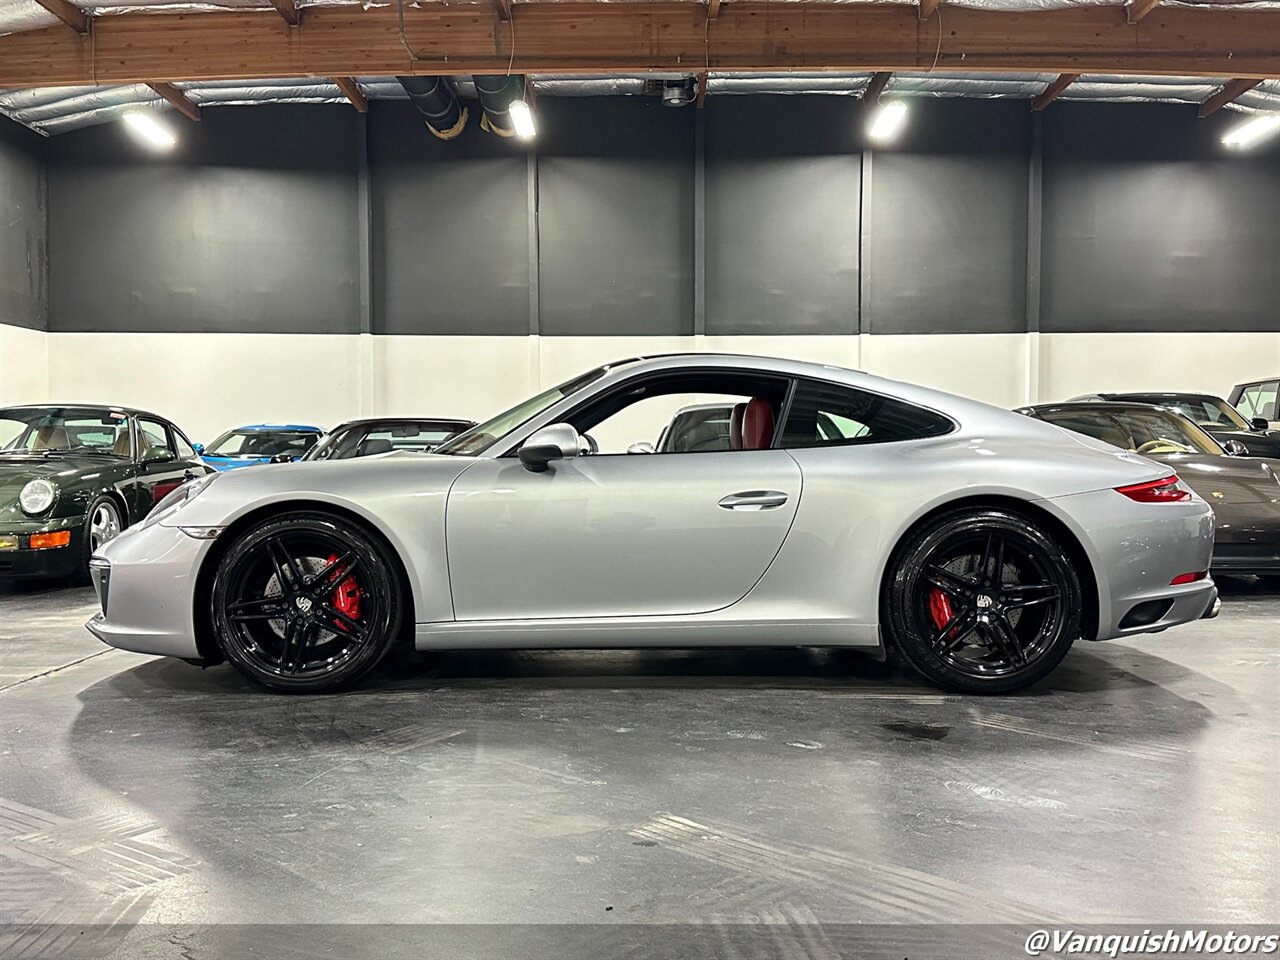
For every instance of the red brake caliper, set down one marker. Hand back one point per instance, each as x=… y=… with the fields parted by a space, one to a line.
x=939 y=607
x=346 y=596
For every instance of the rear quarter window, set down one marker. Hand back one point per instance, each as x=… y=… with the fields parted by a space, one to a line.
x=826 y=414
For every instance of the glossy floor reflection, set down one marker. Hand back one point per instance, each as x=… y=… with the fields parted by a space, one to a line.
x=1139 y=783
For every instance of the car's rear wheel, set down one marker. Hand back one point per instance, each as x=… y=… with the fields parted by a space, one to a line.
x=982 y=601
x=305 y=603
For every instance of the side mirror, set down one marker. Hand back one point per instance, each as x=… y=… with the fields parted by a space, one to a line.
x=1260 y=423
x=198 y=447
x=559 y=441
x=283 y=458
x=643 y=447
x=1235 y=448
x=158 y=455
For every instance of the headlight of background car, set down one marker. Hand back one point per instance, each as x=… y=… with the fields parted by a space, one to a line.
x=37 y=496
x=177 y=499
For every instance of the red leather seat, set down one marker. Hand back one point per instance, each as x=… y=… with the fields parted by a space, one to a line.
x=757 y=425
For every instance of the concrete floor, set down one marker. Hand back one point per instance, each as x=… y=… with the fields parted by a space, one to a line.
x=145 y=803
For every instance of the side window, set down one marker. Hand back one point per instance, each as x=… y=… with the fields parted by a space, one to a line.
x=694 y=411
x=826 y=414
x=154 y=437
x=185 y=450
x=1259 y=401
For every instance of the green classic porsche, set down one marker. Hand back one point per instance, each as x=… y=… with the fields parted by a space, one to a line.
x=73 y=477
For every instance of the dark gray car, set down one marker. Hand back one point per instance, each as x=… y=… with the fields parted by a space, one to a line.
x=1243 y=491
x=1210 y=413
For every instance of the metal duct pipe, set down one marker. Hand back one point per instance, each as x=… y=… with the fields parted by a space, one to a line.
x=436 y=101
x=496 y=91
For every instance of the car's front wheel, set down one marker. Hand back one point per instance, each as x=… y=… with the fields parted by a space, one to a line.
x=982 y=601
x=305 y=603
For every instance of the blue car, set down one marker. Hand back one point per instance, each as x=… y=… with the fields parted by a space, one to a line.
x=259 y=443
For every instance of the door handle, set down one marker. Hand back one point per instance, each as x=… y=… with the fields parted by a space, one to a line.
x=754 y=500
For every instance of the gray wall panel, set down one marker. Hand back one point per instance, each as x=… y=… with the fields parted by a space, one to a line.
x=782 y=215
x=23 y=227
x=1151 y=225
x=615 y=216
x=450 y=237
x=249 y=226
x=947 y=223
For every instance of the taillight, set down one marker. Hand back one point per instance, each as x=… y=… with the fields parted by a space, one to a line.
x=1165 y=490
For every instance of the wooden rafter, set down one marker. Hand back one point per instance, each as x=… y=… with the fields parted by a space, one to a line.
x=1137 y=9
x=68 y=13
x=178 y=99
x=289 y=10
x=701 y=99
x=713 y=9
x=651 y=36
x=1230 y=91
x=503 y=9
x=927 y=7
x=351 y=90
x=1053 y=90
x=875 y=88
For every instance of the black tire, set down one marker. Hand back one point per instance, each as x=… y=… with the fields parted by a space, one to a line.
x=306 y=603
x=962 y=627
x=103 y=522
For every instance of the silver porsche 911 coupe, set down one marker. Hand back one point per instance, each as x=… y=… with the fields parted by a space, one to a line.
x=973 y=543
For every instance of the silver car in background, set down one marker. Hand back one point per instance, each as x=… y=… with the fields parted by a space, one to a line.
x=973 y=543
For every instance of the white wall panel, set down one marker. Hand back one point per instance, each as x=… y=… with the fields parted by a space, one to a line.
x=24 y=367
x=1076 y=363
x=210 y=382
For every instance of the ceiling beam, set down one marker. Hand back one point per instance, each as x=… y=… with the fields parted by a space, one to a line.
x=503 y=9
x=701 y=99
x=713 y=9
x=351 y=90
x=1229 y=92
x=641 y=37
x=178 y=99
x=1135 y=10
x=289 y=10
x=879 y=81
x=1052 y=91
x=927 y=7
x=68 y=13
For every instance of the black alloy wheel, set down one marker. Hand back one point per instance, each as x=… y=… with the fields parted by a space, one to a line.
x=983 y=601
x=306 y=603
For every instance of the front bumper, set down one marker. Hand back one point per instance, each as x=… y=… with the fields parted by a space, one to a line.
x=22 y=562
x=145 y=580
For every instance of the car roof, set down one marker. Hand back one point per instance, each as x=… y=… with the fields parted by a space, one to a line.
x=1167 y=395
x=104 y=407
x=360 y=421
x=1093 y=405
x=301 y=427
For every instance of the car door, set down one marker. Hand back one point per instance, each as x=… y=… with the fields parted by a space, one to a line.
x=616 y=536
x=160 y=470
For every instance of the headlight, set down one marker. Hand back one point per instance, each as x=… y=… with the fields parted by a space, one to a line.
x=37 y=496
x=177 y=499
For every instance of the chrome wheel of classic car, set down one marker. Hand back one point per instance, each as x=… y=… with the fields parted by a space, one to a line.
x=304 y=604
x=984 y=601
x=104 y=523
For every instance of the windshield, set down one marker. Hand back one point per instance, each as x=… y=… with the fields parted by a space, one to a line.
x=481 y=437
x=63 y=429
x=1145 y=431
x=262 y=443
x=1208 y=412
x=365 y=439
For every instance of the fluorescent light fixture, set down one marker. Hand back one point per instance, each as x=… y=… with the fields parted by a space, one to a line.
x=522 y=119
x=1245 y=135
x=149 y=130
x=887 y=121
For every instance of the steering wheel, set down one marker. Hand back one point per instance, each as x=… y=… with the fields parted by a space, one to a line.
x=587 y=445
x=1161 y=445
